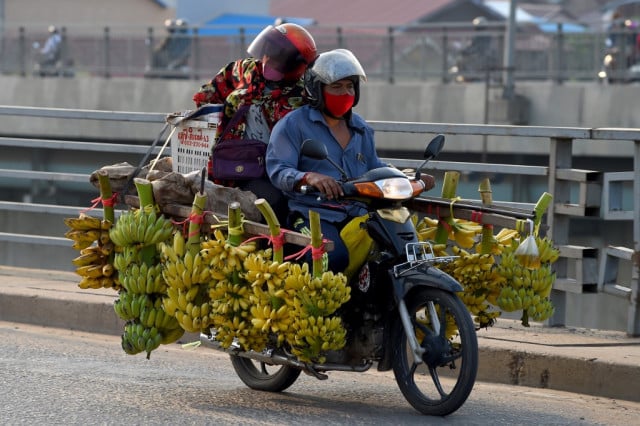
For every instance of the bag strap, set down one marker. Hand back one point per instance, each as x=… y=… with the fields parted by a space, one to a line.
x=234 y=120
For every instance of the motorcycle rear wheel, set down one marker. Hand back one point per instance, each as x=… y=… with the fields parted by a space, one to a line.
x=441 y=383
x=262 y=376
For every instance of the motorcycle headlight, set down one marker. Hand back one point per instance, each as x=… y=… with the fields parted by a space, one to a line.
x=396 y=188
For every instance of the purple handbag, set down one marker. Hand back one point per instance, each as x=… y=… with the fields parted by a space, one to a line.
x=238 y=159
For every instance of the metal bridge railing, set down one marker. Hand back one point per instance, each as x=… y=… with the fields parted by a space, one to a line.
x=605 y=266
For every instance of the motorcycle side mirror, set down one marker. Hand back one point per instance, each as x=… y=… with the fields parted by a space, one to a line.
x=318 y=151
x=433 y=149
x=314 y=149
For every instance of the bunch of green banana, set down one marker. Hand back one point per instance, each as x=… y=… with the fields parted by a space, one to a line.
x=155 y=316
x=139 y=278
x=313 y=336
x=526 y=289
x=318 y=296
x=129 y=306
x=137 y=338
x=142 y=227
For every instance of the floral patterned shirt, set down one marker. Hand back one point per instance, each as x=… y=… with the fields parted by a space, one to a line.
x=242 y=82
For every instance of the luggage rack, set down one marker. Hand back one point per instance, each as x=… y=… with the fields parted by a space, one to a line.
x=419 y=254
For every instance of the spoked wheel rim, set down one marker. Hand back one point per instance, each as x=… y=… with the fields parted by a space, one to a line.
x=443 y=378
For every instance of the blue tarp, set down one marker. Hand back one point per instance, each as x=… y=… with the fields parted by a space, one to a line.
x=229 y=24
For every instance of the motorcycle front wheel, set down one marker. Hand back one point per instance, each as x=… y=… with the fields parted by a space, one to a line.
x=261 y=376
x=442 y=381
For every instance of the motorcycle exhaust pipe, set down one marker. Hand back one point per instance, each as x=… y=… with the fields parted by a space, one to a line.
x=269 y=357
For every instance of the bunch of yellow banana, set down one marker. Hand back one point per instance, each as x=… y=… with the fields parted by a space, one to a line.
x=312 y=336
x=90 y=236
x=181 y=268
x=548 y=252
x=223 y=256
x=506 y=235
x=139 y=278
x=272 y=318
x=263 y=274
x=465 y=232
x=477 y=274
x=142 y=227
x=191 y=307
x=426 y=228
x=85 y=230
x=137 y=338
x=239 y=329
x=94 y=268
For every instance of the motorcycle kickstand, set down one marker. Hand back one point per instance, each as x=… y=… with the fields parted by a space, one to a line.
x=310 y=371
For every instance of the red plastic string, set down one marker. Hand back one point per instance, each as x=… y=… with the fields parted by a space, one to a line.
x=316 y=253
x=476 y=216
x=110 y=202
x=277 y=240
x=298 y=255
x=445 y=224
x=94 y=204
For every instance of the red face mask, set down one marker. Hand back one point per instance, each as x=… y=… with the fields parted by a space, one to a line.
x=338 y=105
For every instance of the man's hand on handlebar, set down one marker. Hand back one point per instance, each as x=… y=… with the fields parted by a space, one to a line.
x=429 y=181
x=327 y=185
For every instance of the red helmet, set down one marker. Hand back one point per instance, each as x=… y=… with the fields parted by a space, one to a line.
x=288 y=47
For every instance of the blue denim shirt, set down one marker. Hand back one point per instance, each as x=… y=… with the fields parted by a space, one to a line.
x=286 y=166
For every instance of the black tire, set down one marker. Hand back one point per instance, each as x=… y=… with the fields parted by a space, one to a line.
x=442 y=382
x=264 y=377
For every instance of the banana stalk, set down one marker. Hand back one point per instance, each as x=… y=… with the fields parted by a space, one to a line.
x=106 y=194
x=274 y=227
x=449 y=188
x=316 y=242
x=488 y=240
x=197 y=208
x=145 y=195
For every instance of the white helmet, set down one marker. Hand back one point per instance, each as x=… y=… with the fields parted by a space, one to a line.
x=330 y=67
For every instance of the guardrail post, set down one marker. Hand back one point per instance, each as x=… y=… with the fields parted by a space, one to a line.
x=633 y=325
x=22 y=52
x=391 y=55
x=107 y=57
x=445 y=55
x=560 y=151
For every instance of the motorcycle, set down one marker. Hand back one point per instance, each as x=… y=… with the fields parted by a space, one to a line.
x=403 y=315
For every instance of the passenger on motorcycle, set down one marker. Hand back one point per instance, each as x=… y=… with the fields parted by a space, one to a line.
x=332 y=85
x=270 y=81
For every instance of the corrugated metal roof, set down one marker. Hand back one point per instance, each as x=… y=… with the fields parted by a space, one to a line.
x=370 y=12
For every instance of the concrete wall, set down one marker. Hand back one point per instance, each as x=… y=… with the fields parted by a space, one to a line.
x=570 y=104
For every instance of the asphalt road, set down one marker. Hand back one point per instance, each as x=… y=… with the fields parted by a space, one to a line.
x=55 y=376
